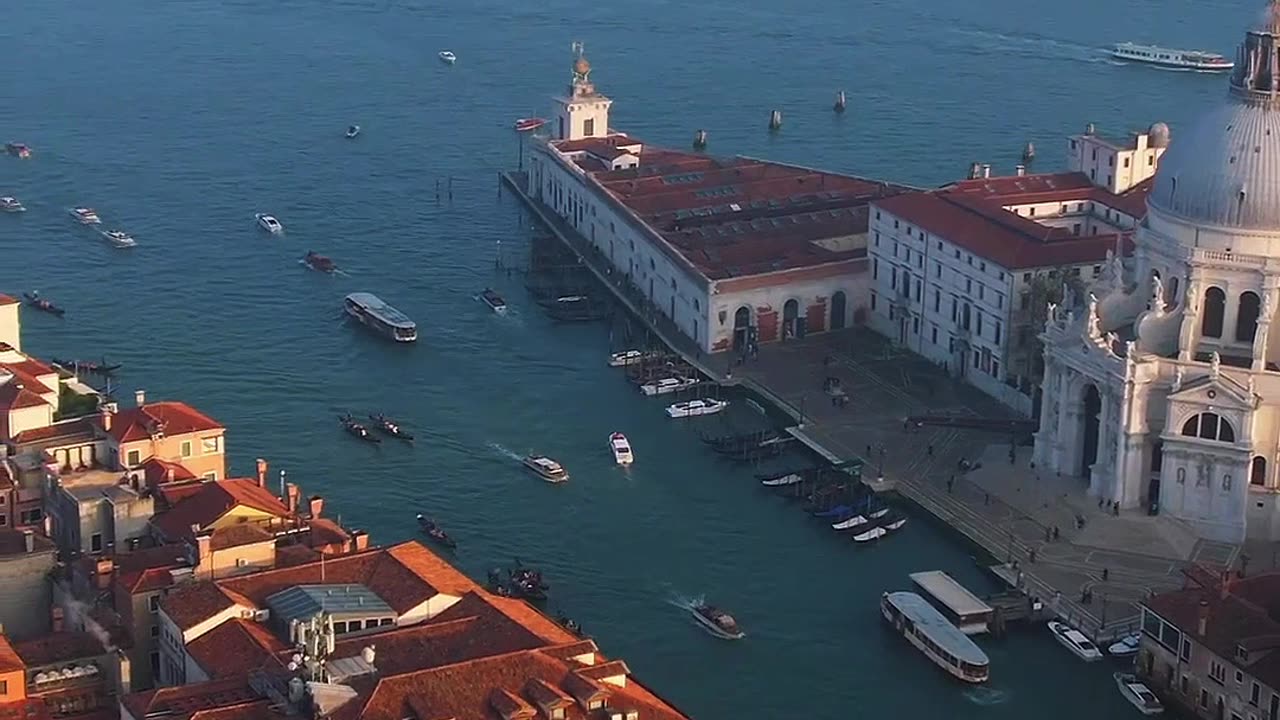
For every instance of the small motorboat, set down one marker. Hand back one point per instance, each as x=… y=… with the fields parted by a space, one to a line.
x=493 y=300
x=17 y=149
x=546 y=468
x=694 y=408
x=268 y=223
x=1075 y=641
x=1138 y=695
x=394 y=430
x=1126 y=646
x=529 y=124
x=352 y=131
x=435 y=532
x=85 y=216
x=87 y=366
x=34 y=300
x=319 y=262
x=447 y=57
x=356 y=429
x=11 y=204
x=667 y=385
x=119 y=238
x=716 y=621
x=621 y=449
x=629 y=357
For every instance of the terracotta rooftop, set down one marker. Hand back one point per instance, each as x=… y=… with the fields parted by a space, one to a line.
x=32 y=374
x=236 y=647
x=60 y=647
x=14 y=395
x=191 y=603
x=159 y=472
x=64 y=431
x=184 y=701
x=8 y=299
x=238 y=535
x=173 y=418
x=14 y=542
x=9 y=660
x=739 y=216
x=147 y=569
x=211 y=501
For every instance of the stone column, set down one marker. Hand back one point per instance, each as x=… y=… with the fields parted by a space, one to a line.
x=1047 y=435
x=1132 y=474
x=1190 y=317
x=1098 y=475
x=1269 y=299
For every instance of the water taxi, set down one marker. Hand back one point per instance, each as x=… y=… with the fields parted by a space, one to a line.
x=17 y=149
x=119 y=238
x=494 y=301
x=318 y=262
x=1075 y=641
x=621 y=449
x=1138 y=695
x=926 y=628
x=1167 y=57
x=11 y=204
x=716 y=621
x=529 y=124
x=447 y=57
x=380 y=317
x=268 y=223
x=85 y=216
x=629 y=357
x=693 y=408
x=667 y=385
x=1126 y=646
x=546 y=468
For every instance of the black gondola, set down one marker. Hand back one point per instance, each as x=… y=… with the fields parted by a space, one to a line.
x=394 y=430
x=570 y=624
x=519 y=582
x=35 y=301
x=356 y=429
x=87 y=366
x=435 y=532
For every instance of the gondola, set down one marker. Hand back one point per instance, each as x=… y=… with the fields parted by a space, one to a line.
x=356 y=429
x=35 y=301
x=86 y=366
x=394 y=430
x=570 y=624
x=435 y=532
x=519 y=582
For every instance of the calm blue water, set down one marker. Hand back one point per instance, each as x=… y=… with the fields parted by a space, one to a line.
x=178 y=121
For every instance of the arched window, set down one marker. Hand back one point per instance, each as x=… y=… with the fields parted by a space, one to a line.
x=1258 y=471
x=1247 y=317
x=1215 y=305
x=1208 y=426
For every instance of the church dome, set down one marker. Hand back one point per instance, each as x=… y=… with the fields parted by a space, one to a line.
x=1225 y=169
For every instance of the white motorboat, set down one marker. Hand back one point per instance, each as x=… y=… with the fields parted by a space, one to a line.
x=546 y=468
x=694 y=408
x=1167 y=57
x=850 y=522
x=621 y=449
x=667 y=385
x=85 y=216
x=782 y=480
x=11 y=204
x=716 y=621
x=629 y=357
x=1138 y=695
x=1075 y=641
x=352 y=131
x=119 y=238
x=493 y=300
x=447 y=57
x=1125 y=646
x=269 y=223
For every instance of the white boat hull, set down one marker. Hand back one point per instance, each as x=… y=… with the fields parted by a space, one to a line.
x=871 y=534
x=1058 y=628
x=790 y=479
x=695 y=408
x=1130 y=688
x=849 y=523
x=714 y=629
x=666 y=388
x=621 y=450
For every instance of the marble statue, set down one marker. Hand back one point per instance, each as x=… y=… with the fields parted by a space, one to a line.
x=1093 y=322
x=1215 y=365
x=1157 y=294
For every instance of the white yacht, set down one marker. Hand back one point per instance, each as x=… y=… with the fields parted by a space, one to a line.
x=1138 y=695
x=11 y=204
x=1075 y=641
x=119 y=238
x=629 y=357
x=546 y=468
x=716 y=621
x=1125 y=646
x=621 y=449
x=1167 y=57
x=269 y=223
x=667 y=385
x=694 y=408
x=85 y=216
x=447 y=57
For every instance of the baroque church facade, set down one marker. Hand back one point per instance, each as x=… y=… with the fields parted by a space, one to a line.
x=1164 y=392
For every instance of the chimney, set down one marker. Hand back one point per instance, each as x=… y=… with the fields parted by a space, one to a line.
x=986 y=170
x=30 y=538
x=1020 y=170
x=55 y=619
x=168 y=473
x=1090 y=129
x=139 y=397
x=262 y=473
x=1224 y=584
x=105 y=566
x=204 y=547
x=293 y=494
x=106 y=418
x=316 y=505
x=361 y=539
x=1202 y=618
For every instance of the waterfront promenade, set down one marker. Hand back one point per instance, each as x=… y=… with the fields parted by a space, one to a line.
x=1048 y=538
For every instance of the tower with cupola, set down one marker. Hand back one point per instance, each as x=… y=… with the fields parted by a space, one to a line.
x=582 y=112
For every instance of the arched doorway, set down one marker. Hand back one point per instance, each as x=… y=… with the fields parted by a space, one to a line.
x=1153 y=479
x=790 y=314
x=1092 y=411
x=838 y=302
x=742 y=329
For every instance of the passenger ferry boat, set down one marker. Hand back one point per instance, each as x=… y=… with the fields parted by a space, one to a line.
x=1075 y=641
x=381 y=317
x=940 y=641
x=621 y=448
x=1167 y=57
x=546 y=468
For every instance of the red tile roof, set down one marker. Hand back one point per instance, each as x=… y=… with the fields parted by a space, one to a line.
x=147 y=570
x=184 y=701
x=9 y=660
x=29 y=372
x=60 y=647
x=213 y=500
x=66 y=430
x=239 y=535
x=236 y=647
x=174 y=418
x=156 y=472
x=14 y=395
x=323 y=532
x=8 y=300
x=189 y=604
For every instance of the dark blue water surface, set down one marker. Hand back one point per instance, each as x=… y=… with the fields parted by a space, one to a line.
x=179 y=120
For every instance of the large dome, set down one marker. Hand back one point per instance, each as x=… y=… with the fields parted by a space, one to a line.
x=1225 y=170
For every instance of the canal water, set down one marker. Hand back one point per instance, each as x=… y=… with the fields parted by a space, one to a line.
x=179 y=121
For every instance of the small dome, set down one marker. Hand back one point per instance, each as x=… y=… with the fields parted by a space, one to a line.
x=1158 y=135
x=582 y=67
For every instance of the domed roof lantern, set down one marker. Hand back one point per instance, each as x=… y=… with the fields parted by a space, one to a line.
x=1256 y=77
x=581 y=85
x=1158 y=135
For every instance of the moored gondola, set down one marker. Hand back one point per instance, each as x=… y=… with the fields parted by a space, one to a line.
x=357 y=430
x=393 y=429
x=435 y=532
x=519 y=582
x=87 y=366
x=34 y=300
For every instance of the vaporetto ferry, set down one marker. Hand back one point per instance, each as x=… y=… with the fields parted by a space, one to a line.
x=932 y=634
x=1167 y=57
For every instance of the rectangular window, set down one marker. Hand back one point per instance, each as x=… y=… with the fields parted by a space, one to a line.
x=95 y=542
x=895 y=248
x=982 y=291
x=995 y=369
x=1185 y=652
x=976 y=358
x=186 y=448
x=937 y=270
x=4 y=521
x=589 y=127
x=915 y=326
x=132 y=458
x=877 y=238
x=211 y=475
x=937 y=300
x=979 y=324
x=968 y=285
x=210 y=445
x=1217 y=672
x=934 y=340
x=1239 y=677
x=873 y=301
x=997 y=335
x=339 y=627
x=155 y=631
x=875 y=268
x=4 y=687
x=1255 y=694
x=919 y=290
x=153 y=603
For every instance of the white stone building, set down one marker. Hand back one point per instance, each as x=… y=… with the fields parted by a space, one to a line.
x=952 y=269
x=1166 y=392
x=734 y=251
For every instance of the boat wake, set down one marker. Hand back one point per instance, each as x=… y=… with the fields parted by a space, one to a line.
x=505 y=452
x=684 y=602
x=986 y=696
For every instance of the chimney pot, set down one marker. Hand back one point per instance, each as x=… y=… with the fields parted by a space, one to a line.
x=204 y=548
x=262 y=473
x=986 y=171
x=106 y=418
x=30 y=539
x=293 y=493
x=361 y=539
x=1202 y=618
x=1020 y=170
x=140 y=397
x=316 y=506
x=105 y=567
